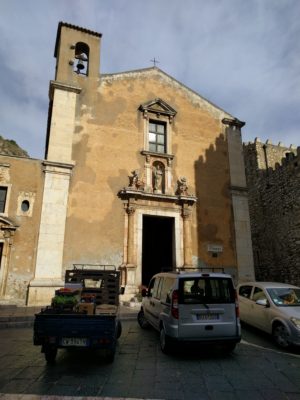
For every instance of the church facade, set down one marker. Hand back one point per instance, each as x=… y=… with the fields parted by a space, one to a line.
x=140 y=172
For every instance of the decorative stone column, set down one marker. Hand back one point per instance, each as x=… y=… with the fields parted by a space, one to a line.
x=131 y=252
x=7 y=232
x=168 y=176
x=148 y=174
x=187 y=236
x=49 y=269
x=239 y=193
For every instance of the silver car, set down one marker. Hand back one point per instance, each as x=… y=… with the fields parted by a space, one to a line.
x=192 y=307
x=273 y=308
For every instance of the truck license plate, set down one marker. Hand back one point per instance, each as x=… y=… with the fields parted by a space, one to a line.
x=209 y=317
x=80 y=342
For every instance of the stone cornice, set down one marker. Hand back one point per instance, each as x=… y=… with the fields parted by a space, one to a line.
x=233 y=122
x=127 y=193
x=57 y=167
x=157 y=155
x=239 y=190
x=8 y=224
x=58 y=164
x=62 y=86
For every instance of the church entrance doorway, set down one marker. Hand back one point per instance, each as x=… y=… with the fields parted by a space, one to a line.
x=158 y=249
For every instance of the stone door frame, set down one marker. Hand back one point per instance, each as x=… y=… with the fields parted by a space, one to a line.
x=178 y=236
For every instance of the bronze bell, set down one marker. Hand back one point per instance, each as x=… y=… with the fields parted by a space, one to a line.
x=80 y=65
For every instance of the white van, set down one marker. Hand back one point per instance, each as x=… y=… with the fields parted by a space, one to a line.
x=192 y=306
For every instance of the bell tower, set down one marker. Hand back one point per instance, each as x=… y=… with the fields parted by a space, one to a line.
x=77 y=53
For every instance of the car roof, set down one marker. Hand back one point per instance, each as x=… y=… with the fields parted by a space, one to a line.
x=268 y=285
x=184 y=274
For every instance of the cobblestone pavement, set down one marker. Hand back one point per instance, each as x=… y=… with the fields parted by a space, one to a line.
x=141 y=370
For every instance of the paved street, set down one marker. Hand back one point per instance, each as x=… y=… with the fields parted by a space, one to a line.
x=140 y=370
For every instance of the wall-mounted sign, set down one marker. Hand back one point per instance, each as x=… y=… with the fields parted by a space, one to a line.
x=215 y=248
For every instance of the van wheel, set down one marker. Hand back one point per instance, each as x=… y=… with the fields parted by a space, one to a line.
x=165 y=341
x=50 y=354
x=144 y=324
x=110 y=356
x=229 y=347
x=281 y=336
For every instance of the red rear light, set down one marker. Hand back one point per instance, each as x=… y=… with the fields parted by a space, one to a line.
x=174 y=307
x=237 y=309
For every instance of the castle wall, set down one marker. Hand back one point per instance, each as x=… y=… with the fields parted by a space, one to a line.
x=274 y=201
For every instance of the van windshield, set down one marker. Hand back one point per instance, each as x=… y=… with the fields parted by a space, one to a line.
x=206 y=290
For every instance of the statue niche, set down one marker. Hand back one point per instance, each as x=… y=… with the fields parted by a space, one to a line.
x=158 y=177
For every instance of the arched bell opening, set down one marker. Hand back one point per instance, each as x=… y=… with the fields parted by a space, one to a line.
x=81 y=65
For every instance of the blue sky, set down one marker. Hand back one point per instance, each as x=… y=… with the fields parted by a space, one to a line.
x=243 y=56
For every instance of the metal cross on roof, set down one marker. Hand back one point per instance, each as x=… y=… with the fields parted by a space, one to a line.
x=154 y=62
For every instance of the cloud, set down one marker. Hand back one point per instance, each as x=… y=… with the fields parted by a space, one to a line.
x=241 y=55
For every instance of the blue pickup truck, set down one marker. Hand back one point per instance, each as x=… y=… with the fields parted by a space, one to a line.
x=91 y=322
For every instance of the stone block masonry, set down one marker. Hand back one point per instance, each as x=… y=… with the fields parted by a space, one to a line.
x=273 y=179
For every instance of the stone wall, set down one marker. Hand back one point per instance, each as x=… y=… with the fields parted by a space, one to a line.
x=273 y=179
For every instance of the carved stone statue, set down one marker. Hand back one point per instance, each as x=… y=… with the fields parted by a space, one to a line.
x=157 y=175
x=182 y=188
x=135 y=180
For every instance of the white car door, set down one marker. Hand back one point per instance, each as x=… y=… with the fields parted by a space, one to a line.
x=260 y=312
x=152 y=306
x=245 y=303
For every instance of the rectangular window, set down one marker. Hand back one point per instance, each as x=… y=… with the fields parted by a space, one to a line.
x=206 y=290
x=3 y=193
x=157 y=137
x=166 y=290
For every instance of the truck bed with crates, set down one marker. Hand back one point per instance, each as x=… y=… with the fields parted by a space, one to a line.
x=84 y=314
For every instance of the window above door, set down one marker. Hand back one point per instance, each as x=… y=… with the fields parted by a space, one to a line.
x=158 y=118
x=157 y=136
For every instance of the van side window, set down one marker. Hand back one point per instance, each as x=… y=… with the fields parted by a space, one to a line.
x=151 y=288
x=166 y=290
x=156 y=288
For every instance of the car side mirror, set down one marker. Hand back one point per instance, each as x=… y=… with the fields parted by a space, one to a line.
x=144 y=292
x=263 y=302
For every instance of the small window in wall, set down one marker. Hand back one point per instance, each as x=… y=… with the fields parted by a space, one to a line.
x=81 y=65
x=3 y=194
x=157 y=137
x=25 y=205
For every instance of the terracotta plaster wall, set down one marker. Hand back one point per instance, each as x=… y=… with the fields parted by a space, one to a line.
x=107 y=145
x=26 y=178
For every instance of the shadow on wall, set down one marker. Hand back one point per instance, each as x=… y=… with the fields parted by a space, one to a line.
x=214 y=212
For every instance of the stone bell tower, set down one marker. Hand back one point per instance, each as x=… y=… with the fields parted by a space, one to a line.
x=77 y=53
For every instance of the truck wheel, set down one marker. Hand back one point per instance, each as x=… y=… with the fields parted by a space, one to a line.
x=50 y=354
x=119 y=329
x=165 y=341
x=110 y=356
x=144 y=324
